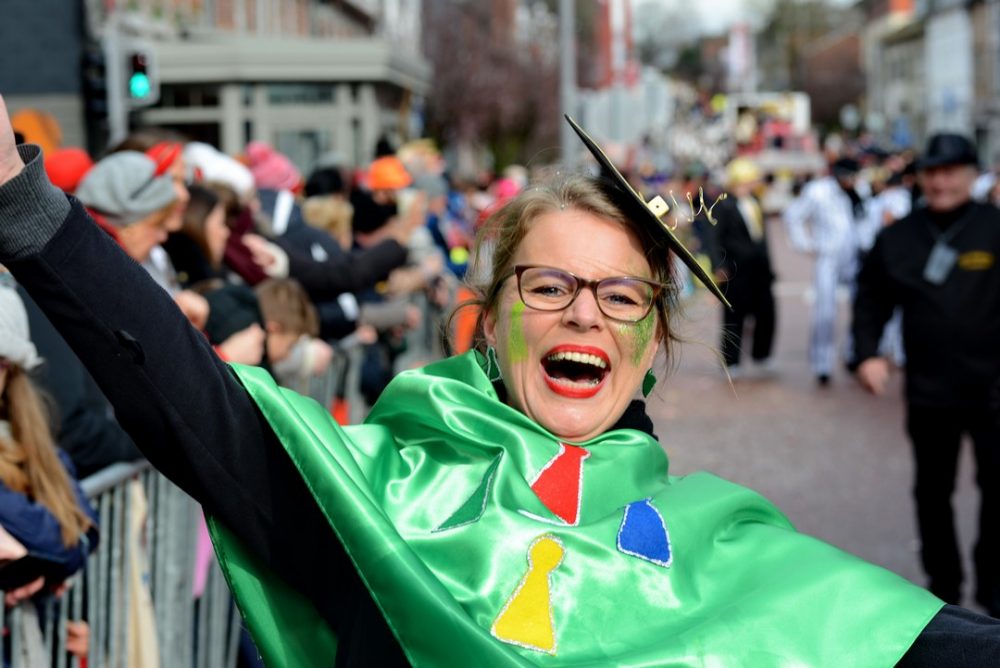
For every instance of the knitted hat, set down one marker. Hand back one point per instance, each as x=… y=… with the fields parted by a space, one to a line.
x=216 y=166
x=270 y=169
x=66 y=167
x=388 y=173
x=15 y=344
x=125 y=188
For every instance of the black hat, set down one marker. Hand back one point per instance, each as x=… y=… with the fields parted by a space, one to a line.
x=624 y=195
x=325 y=181
x=369 y=215
x=845 y=167
x=948 y=149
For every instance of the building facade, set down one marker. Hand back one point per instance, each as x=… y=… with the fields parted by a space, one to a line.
x=41 y=42
x=309 y=76
x=936 y=67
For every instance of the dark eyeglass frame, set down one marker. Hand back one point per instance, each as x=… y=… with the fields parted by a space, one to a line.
x=582 y=283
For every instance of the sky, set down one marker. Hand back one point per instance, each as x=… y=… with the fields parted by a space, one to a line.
x=717 y=15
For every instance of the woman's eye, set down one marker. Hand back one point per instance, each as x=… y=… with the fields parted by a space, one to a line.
x=620 y=299
x=549 y=290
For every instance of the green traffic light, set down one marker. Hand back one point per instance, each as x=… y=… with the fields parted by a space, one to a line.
x=138 y=85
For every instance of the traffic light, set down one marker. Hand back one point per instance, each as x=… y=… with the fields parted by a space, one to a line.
x=94 y=82
x=139 y=86
x=94 y=88
x=142 y=86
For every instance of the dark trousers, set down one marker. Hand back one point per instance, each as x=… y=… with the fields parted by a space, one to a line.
x=936 y=435
x=750 y=301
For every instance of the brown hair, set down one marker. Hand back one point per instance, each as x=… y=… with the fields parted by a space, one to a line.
x=203 y=201
x=502 y=233
x=29 y=465
x=330 y=213
x=230 y=198
x=284 y=301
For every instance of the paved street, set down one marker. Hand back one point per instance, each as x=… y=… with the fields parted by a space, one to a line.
x=835 y=460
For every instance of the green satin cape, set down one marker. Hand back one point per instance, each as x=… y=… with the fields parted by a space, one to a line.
x=742 y=587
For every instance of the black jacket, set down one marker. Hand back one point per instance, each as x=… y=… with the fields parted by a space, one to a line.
x=746 y=260
x=85 y=426
x=951 y=332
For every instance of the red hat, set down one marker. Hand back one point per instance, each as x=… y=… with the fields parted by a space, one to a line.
x=66 y=167
x=388 y=173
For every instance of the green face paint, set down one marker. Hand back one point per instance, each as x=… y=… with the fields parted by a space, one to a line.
x=641 y=333
x=517 y=347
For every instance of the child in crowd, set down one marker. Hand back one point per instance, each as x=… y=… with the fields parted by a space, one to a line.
x=292 y=326
x=42 y=507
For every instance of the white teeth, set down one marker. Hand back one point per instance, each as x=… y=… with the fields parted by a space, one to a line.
x=582 y=358
x=575 y=383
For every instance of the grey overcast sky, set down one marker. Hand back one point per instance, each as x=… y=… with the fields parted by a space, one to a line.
x=714 y=16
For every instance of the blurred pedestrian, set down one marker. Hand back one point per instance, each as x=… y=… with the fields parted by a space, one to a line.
x=742 y=261
x=939 y=264
x=822 y=222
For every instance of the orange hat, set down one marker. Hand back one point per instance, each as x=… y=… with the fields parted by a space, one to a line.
x=66 y=167
x=388 y=173
x=38 y=127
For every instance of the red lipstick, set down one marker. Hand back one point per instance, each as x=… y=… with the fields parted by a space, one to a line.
x=574 y=389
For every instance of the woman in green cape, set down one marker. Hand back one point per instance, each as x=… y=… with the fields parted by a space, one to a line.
x=507 y=507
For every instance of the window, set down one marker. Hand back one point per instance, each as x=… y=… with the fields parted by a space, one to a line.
x=300 y=93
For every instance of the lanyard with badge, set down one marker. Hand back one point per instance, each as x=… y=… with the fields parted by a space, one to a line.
x=943 y=256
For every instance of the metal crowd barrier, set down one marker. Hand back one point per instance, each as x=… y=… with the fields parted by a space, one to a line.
x=424 y=342
x=203 y=633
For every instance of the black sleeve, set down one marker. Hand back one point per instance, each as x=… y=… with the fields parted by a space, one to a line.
x=183 y=407
x=86 y=430
x=955 y=638
x=351 y=272
x=873 y=304
x=333 y=323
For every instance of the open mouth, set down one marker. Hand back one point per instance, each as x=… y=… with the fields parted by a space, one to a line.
x=577 y=372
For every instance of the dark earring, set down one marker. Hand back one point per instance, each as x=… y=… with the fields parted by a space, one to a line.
x=648 y=382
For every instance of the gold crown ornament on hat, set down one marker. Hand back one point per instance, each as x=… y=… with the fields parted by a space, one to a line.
x=648 y=214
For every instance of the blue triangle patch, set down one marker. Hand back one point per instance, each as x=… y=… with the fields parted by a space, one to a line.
x=643 y=534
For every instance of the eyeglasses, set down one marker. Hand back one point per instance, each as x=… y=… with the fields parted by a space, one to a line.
x=623 y=298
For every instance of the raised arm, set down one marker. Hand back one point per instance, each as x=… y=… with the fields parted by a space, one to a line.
x=179 y=403
x=349 y=272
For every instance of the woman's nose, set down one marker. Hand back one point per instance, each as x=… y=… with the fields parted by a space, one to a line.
x=584 y=312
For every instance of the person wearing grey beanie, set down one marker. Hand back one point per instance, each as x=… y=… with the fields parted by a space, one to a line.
x=135 y=200
x=15 y=344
